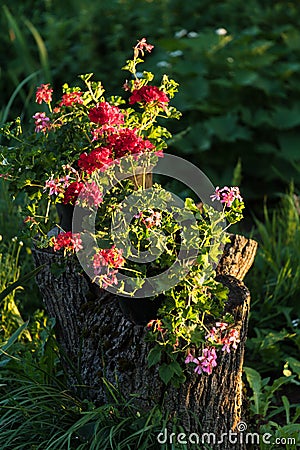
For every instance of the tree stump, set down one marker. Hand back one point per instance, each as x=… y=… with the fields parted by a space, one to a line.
x=101 y=343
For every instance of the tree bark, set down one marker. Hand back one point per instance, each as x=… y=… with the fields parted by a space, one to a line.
x=100 y=342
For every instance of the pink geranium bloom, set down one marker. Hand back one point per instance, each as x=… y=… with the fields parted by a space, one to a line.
x=227 y=195
x=42 y=122
x=189 y=358
x=207 y=361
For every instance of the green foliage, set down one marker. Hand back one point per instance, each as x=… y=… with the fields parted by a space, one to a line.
x=273 y=341
x=274 y=282
x=239 y=91
x=280 y=421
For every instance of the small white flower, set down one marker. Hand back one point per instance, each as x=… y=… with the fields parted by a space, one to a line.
x=230 y=60
x=181 y=33
x=221 y=31
x=192 y=34
x=176 y=53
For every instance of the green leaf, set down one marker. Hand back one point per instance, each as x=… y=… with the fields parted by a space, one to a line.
x=285 y=118
x=289 y=145
x=154 y=355
x=13 y=337
x=20 y=282
x=274 y=337
x=166 y=372
x=227 y=129
x=255 y=382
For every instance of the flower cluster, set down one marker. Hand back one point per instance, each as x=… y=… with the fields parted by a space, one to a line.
x=204 y=363
x=149 y=95
x=106 y=263
x=227 y=195
x=85 y=152
x=149 y=218
x=223 y=336
x=69 y=242
x=219 y=335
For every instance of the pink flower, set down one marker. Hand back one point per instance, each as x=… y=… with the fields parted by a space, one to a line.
x=207 y=361
x=154 y=220
x=42 y=122
x=43 y=94
x=226 y=195
x=189 y=358
x=222 y=325
x=231 y=339
x=212 y=335
x=90 y=195
x=54 y=186
x=108 y=279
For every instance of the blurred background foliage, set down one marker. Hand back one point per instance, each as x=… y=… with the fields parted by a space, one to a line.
x=238 y=66
x=237 y=63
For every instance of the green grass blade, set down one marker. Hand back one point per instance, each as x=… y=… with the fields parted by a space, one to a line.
x=20 y=282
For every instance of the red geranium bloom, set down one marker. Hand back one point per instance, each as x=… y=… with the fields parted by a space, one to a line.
x=99 y=158
x=148 y=94
x=72 y=192
x=43 y=94
x=126 y=141
x=142 y=44
x=111 y=257
x=106 y=114
x=71 y=98
x=70 y=242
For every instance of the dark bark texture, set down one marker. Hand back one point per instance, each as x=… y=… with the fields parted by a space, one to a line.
x=100 y=342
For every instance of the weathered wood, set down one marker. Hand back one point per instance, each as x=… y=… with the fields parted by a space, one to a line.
x=238 y=257
x=101 y=342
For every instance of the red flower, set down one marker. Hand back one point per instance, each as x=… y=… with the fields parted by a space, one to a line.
x=142 y=44
x=43 y=94
x=69 y=241
x=72 y=192
x=71 y=98
x=126 y=141
x=108 y=257
x=99 y=158
x=148 y=94
x=106 y=114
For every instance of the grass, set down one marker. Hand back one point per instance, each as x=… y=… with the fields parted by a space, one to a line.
x=37 y=407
